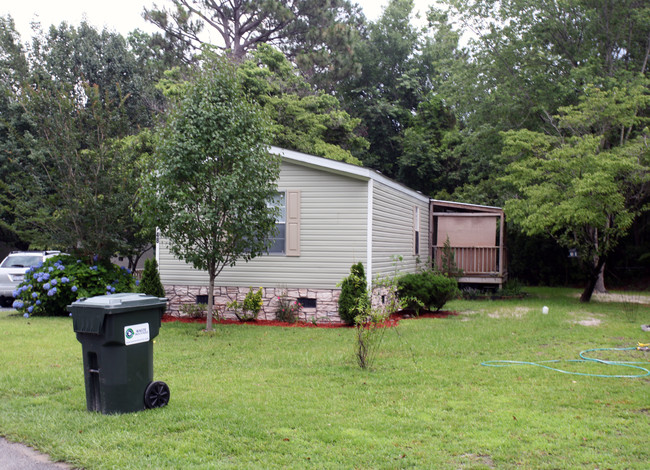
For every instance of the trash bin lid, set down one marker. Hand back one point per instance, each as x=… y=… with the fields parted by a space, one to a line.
x=88 y=313
x=119 y=301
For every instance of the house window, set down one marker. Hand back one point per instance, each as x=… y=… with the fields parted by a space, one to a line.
x=416 y=231
x=279 y=238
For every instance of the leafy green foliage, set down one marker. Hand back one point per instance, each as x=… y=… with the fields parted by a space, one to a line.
x=150 y=283
x=353 y=300
x=318 y=35
x=211 y=176
x=59 y=281
x=73 y=168
x=250 y=308
x=391 y=84
x=426 y=289
x=288 y=310
x=303 y=119
x=253 y=302
x=429 y=162
x=576 y=187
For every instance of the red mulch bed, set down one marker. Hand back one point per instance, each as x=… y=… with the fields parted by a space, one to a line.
x=394 y=320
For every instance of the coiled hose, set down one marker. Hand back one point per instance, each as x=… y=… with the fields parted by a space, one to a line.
x=583 y=359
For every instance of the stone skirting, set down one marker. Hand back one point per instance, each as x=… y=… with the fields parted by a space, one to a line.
x=326 y=310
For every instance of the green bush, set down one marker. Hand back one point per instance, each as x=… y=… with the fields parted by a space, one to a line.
x=354 y=294
x=249 y=309
x=426 y=289
x=150 y=283
x=49 y=287
x=288 y=310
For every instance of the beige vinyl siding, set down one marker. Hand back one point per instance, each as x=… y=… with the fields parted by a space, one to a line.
x=392 y=230
x=333 y=221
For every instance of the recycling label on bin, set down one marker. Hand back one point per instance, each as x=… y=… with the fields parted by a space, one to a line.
x=134 y=334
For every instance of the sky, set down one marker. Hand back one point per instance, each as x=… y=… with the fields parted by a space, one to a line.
x=122 y=16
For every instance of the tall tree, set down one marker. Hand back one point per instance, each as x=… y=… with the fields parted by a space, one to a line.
x=529 y=57
x=304 y=119
x=212 y=177
x=14 y=125
x=525 y=59
x=392 y=83
x=576 y=186
x=317 y=34
x=72 y=192
x=73 y=180
x=429 y=162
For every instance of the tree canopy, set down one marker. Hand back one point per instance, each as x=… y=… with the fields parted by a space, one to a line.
x=211 y=177
x=447 y=105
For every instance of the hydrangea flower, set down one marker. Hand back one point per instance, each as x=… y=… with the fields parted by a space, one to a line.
x=26 y=315
x=51 y=292
x=46 y=276
x=18 y=304
x=34 y=295
x=46 y=286
x=15 y=293
x=38 y=302
x=73 y=288
x=50 y=269
x=93 y=268
x=53 y=282
x=64 y=280
x=30 y=309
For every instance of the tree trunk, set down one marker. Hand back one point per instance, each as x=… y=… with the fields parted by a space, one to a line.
x=208 y=320
x=594 y=273
x=600 y=283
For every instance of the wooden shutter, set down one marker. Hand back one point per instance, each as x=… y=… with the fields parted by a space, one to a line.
x=293 y=223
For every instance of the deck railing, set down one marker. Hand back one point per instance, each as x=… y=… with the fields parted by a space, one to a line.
x=473 y=260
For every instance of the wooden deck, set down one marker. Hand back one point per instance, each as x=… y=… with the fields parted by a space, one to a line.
x=475 y=235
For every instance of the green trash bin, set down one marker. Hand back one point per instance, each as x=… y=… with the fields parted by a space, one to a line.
x=116 y=333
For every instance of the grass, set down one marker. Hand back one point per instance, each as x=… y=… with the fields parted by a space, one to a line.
x=267 y=397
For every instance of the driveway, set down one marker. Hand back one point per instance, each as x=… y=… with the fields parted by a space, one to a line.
x=16 y=456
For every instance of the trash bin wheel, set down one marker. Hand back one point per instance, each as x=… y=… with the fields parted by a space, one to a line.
x=156 y=395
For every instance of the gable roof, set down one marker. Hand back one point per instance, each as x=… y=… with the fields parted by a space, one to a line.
x=346 y=169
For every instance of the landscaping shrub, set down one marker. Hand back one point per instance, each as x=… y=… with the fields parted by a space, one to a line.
x=288 y=310
x=150 y=283
x=354 y=294
x=426 y=289
x=193 y=310
x=50 y=286
x=250 y=308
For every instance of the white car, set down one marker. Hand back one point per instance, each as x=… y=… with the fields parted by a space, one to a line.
x=13 y=269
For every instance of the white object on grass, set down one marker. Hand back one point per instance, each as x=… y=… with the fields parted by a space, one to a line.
x=544 y=309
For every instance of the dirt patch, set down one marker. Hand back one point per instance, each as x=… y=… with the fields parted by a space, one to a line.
x=621 y=297
x=471 y=460
x=586 y=319
x=517 y=312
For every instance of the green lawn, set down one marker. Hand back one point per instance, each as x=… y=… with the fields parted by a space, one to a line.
x=268 y=397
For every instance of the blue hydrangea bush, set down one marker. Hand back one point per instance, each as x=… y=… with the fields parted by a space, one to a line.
x=51 y=286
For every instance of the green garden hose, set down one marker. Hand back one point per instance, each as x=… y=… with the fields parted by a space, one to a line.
x=584 y=358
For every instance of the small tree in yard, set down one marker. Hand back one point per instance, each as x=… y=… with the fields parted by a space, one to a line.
x=150 y=283
x=212 y=175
